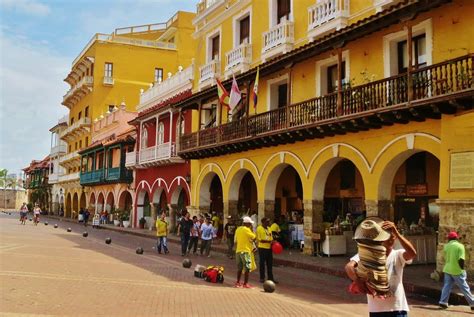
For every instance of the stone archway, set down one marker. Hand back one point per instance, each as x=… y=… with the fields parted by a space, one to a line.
x=92 y=203
x=100 y=203
x=243 y=194
x=143 y=206
x=110 y=203
x=83 y=201
x=125 y=201
x=179 y=201
x=68 y=211
x=75 y=205
x=210 y=181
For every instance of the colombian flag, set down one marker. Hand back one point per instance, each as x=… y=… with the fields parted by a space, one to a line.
x=223 y=94
x=255 y=90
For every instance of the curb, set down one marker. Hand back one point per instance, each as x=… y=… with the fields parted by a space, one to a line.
x=433 y=293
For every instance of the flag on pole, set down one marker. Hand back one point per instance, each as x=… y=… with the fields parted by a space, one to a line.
x=255 y=90
x=223 y=94
x=235 y=94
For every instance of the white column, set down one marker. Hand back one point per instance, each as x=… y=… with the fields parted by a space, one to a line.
x=156 y=134
x=171 y=131
x=141 y=141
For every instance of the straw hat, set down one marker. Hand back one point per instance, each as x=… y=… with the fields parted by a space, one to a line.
x=370 y=229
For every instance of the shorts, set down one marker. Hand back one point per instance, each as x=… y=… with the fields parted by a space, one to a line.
x=244 y=261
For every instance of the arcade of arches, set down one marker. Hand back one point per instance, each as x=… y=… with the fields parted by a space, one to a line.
x=396 y=176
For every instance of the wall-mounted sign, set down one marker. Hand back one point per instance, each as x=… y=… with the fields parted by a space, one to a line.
x=400 y=190
x=417 y=190
x=461 y=172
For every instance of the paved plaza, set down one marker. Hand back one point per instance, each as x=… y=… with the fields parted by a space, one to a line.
x=46 y=271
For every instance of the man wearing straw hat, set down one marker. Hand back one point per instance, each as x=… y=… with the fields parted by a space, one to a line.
x=379 y=232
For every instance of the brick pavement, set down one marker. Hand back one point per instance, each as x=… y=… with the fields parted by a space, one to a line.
x=52 y=272
x=416 y=277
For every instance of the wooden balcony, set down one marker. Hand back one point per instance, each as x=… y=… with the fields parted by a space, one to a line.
x=105 y=176
x=428 y=92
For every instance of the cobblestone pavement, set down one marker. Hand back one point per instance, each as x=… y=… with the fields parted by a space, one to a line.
x=46 y=271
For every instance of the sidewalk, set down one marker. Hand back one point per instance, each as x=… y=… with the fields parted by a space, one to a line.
x=416 y=278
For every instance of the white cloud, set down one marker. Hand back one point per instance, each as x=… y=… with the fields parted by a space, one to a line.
x=30 y=96
x=31 y=7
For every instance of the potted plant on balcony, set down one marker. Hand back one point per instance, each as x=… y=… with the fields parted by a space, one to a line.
x=141 y=223
x=125 y=217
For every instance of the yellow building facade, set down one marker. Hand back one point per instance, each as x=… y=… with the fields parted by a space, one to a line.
x=350 y=117
x=113 y=69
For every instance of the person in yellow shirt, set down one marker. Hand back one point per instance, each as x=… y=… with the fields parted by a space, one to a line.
x=265 y=256
x=275 y=229
x=244 y=238
x=162 y=234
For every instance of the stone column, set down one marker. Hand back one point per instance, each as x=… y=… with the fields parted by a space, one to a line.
x=173 y=209
x=230 y=209
x=266 y=209
x=313 y=222
x=379 y=208
x=456 y=215
x=154 y=213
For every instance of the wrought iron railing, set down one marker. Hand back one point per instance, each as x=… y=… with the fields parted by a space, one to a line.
x=422 y=85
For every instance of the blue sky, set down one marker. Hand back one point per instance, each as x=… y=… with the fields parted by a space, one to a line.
x=39 y=39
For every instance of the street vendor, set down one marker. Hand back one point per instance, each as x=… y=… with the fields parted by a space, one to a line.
x=396 y=303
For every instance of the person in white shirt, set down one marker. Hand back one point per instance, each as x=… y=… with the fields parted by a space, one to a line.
x=395 y=305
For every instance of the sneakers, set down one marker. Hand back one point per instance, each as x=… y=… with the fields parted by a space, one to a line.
x=238 y=285
x=247 y=285
x=443 y=306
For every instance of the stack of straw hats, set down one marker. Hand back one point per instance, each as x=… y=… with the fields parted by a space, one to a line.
x=369 y=236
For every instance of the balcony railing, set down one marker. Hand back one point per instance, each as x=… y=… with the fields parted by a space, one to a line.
x=131 y=159
x=83 y=86
x=240 y=57
x=112 y=38
x=425 y=86
x=384 y=4
x=69 y=177
x=203 y=5
x=108 y=81
x=209 y=71
x=153 y=155
x=279 y=39
x=326 y=16
x=111 y=174
x=78 y=127
x=58 y=149
x=53 y=178
x=166 y=89
x=70 y=156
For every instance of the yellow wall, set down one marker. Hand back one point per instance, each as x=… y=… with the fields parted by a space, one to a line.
x=133 y=69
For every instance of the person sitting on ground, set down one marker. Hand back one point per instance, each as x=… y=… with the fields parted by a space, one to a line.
x=244 y=238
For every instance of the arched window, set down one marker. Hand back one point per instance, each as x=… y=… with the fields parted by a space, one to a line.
x=144 y=138
x=161 y=133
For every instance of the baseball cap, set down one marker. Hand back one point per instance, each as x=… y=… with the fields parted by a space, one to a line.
x=453 y=235
x=247 y=219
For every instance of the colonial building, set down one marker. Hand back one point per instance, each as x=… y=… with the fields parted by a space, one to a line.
x=36 y=183
x=111 y=69
x=103 y=174
x=56 y=171
x=364 y=107
x=161 y=176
